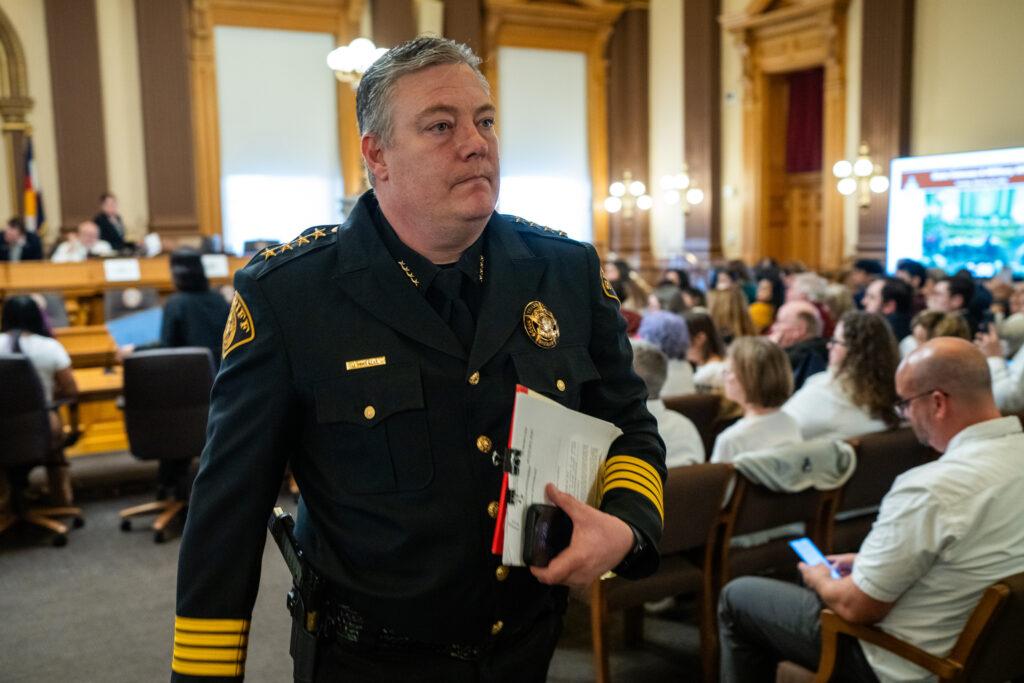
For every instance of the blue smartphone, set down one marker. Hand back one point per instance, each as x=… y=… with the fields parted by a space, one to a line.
x=809 y=553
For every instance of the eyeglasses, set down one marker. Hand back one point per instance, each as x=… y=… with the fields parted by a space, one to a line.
x=904 y=403
x=835 y=342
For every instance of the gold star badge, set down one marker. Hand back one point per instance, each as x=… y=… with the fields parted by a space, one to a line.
x=540 y=325
x=301 y=239
x=318 y=233
x=240 y=328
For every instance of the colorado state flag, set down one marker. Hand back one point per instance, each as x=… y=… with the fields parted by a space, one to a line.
x=33 y=201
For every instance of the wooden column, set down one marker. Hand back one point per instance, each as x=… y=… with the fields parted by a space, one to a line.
x=77 y=107
x=162 y=30
x=628 y=131
x=702 y=134
x=463 y=21
x=394 y=22
x=887 y=60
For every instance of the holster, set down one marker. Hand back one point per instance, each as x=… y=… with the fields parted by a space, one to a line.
x=303 y=646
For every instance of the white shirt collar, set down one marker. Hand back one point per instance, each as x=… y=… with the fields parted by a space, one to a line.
x=982 y=431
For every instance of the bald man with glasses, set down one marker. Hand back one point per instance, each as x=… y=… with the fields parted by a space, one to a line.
x=945 y=531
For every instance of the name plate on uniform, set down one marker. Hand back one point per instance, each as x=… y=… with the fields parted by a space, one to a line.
x=215 y=265
x=122 y=270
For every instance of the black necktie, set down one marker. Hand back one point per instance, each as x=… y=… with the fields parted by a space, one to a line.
x=452 y=307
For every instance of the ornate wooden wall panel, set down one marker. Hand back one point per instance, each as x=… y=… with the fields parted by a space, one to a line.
x=394 y=22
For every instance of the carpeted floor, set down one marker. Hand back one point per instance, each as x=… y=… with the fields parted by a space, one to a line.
x=101 y=609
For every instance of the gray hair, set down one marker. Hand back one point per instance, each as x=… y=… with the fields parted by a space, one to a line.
x=651 y=365
x=373 y=98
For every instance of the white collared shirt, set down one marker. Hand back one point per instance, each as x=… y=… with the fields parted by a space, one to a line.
x=1008 y=382
x=683 y=445
x=73 y=250
x=824 y=410
x=679 y=380
x=945 y=532
x=755 y=433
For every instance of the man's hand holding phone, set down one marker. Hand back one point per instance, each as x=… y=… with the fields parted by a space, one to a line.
x=599 y=542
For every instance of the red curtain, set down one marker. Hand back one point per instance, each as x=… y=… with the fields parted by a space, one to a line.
x=804 y=123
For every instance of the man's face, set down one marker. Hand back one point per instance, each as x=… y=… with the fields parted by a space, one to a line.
x=440 y=170
x=873 y=297
x=88 y=235
x=109 y=206
x=918 y=411
x=11 y=235
x=788 y=328
x=858 y=278
x=940 y=299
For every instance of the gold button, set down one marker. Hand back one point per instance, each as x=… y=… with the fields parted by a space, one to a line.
x=492 y=509
x=501 y=573
x=560 y=384
x=369 y=412
x=474 y=379
x=496 y=627
x=483 y=444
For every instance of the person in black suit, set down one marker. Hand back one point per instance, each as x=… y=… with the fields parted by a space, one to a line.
x=19 y=244
x=111 y=224
x=380 y=360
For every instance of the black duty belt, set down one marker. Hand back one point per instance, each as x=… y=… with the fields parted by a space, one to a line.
x=347 y=627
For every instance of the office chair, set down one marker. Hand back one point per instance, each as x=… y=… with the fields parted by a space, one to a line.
x=166 y=402
x=26 y=441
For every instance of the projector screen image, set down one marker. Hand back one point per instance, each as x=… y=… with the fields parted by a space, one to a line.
x=954 y=211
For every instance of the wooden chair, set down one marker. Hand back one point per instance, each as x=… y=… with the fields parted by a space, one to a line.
x=987 y=651
x=166 y=403
x=693 y=500
x=881 y=457
x=26 y=441
x=705 y=411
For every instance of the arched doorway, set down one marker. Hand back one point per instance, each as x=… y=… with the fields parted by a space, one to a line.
x=14 y=106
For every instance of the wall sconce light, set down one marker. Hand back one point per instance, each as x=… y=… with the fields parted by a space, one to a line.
x=676 y=188
x=350 y=62
x=627 y=194
x=862 y=176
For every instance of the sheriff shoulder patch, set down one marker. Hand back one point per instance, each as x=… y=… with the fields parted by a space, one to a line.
x=607 y=287
x=240 y=328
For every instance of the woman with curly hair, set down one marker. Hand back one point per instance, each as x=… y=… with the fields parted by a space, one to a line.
x=857 y=393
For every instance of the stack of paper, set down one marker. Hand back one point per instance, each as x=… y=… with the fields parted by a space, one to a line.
x=549 y=443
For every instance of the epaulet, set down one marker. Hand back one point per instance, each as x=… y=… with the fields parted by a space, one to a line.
x=524 y=225
x=308 y=241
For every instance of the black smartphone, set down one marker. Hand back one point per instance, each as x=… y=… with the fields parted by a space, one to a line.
x=548 y=532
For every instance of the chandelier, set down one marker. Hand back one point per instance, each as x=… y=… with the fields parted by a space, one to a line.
x=862 y=176
x=350 y=62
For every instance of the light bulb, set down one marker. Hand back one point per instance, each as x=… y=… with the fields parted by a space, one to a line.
x=863 y=167
x=671 y=197
x=637 y=188
x=617 y=189
x=682 y=181
x=842 y=168
x=667 y=182
x=847 y=186
x=878 y=184
x=694 y=195
x=644 y=202
x=612 y=204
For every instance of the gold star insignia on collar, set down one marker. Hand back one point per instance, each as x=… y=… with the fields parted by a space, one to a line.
x=268 y=252
x=318 y=233
x=409 y=274
x=334 y=229
x=286 y=247
x=301 y=239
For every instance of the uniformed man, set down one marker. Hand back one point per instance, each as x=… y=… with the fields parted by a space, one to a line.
x=380 y=359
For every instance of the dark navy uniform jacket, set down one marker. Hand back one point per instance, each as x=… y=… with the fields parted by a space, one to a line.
x=335 y=362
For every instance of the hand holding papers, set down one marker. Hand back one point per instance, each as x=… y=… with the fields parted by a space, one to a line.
x=550 y=444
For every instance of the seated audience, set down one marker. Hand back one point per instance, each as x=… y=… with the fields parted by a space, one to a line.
x=915 y=275
x=694 y=298
x=856 y=394
x=194 y=315
x=666 y=297
x=931 y=324
x=728 y=308
x=82 y=244
x=954 y=295
x=631 y=290
x=683 y=445
x=769 y=297
x=19 y=244
x=668 y=332
x=943 y=535
x=838 y=300
x=110 y=223
x=22 y=331
x=892 y=298
x=758 y=379
x=1007 y=377
x=706 y=352
x=810 y=287
x=797 y=330
x=675 y=276
x=864 y=271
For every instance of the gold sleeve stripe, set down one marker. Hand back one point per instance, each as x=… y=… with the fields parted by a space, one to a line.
x=636 y=462
x=619 y=483
x=655 y=484
x=210 y=654
x=211 y=625
x=639 y=481
x=187 y=668
x=210 y=639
